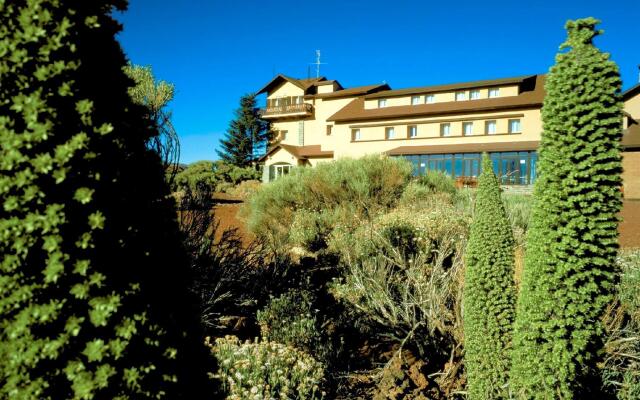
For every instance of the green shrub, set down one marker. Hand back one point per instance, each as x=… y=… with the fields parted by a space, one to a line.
x=93 y=298
x=569 y=273
x=620 y=369
x=363 y=187
x=404 y=272
x=266 y=370
x=518 y=207
x=198 y=173
x=289 y=319
x=438 y=182
x=489 y=292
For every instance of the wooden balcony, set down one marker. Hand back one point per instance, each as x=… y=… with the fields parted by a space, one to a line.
x=290 y=110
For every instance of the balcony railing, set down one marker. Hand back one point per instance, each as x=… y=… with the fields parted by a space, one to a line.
x=303 y=108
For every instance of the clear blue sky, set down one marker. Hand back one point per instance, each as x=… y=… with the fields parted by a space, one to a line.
x=217 y=50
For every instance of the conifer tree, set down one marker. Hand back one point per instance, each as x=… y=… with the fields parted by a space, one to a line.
x=489 y=292
x=92 y=298
x=247 y=137
x=569 y=268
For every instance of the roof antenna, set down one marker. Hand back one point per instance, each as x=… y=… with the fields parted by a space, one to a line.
x=318 y=63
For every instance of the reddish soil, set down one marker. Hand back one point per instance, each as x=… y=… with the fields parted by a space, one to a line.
x=630 y=225
x=227 y=216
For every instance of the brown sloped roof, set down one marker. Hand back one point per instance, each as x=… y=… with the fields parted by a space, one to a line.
x=632 y=91
x=354 y=91
x=303 y=84
x=300 y=152
x=531 y=96
x=464 y=148
x=449 y=87
x=631 y=137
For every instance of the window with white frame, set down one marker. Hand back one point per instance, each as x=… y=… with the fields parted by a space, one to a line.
x=412 y=131
x=390 y=132
x=430 y=98
x=467 y=128
x=415 y=100
x=445 y=129
x=490 y=127
x=494 y=92
x=355 y=134
x=461 y=96
x=514 y=126
x=382 y=103
x=474 y=94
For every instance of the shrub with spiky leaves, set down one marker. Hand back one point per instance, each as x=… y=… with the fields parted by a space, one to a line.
x=91 y=304
x=489 y=292
x=569 y=271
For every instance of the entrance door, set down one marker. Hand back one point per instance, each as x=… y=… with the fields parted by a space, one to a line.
x=511 y=173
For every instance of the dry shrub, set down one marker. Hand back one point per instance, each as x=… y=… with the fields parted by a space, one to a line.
x=404 y=274
x=244 y=189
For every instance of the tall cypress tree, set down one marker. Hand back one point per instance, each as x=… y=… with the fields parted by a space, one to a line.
x=92 y=298
x=489 y=292
x=569 y=268
x=248 y=135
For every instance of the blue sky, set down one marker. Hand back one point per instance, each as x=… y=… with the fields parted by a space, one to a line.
x=215 y=51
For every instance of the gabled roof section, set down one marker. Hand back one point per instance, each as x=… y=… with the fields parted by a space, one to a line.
x=450 y=87
x=531 y=95
x=300 y=152
x=632 y=91
x=354 y=91
x=303 y=84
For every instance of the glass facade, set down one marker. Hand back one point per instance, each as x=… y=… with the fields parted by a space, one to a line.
x=511 y=168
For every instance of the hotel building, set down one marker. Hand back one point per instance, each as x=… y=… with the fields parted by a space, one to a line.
x=442 y=127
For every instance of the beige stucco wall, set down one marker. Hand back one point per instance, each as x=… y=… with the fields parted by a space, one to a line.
x=632 y=106
x=373 y=134
x=441 y=97
x=284 y=90
x=631 y=174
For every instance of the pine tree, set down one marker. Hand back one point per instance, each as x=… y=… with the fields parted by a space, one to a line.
x=569 y=270
x=92 y=301
x=489 y=292
x=247 y=137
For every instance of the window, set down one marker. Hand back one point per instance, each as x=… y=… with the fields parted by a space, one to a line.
x=283 y=135
x=445 y=129
x=415 y=100
x=382 y=103
x=495 y=92
x=467 y=128
x=276 y=102
x=329 y=128
x=490 y=127
x=430 y=98
x=278 y=170
x=474 y=94
x=390 y=133
x=514 y=126
x=355 y=134
x=461 y=96
x=412 y=131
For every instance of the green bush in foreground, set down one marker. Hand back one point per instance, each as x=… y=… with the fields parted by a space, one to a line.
x=267 y=370
x=92 y=301
x=569 y=271
x=489 y=292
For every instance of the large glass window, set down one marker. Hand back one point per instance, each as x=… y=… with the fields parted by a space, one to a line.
x=495 y=92
x=461 y=96
x=511 y=168
x=474 y=94
x=390 y=133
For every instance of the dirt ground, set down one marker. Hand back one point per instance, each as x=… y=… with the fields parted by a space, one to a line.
x=227 y=213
